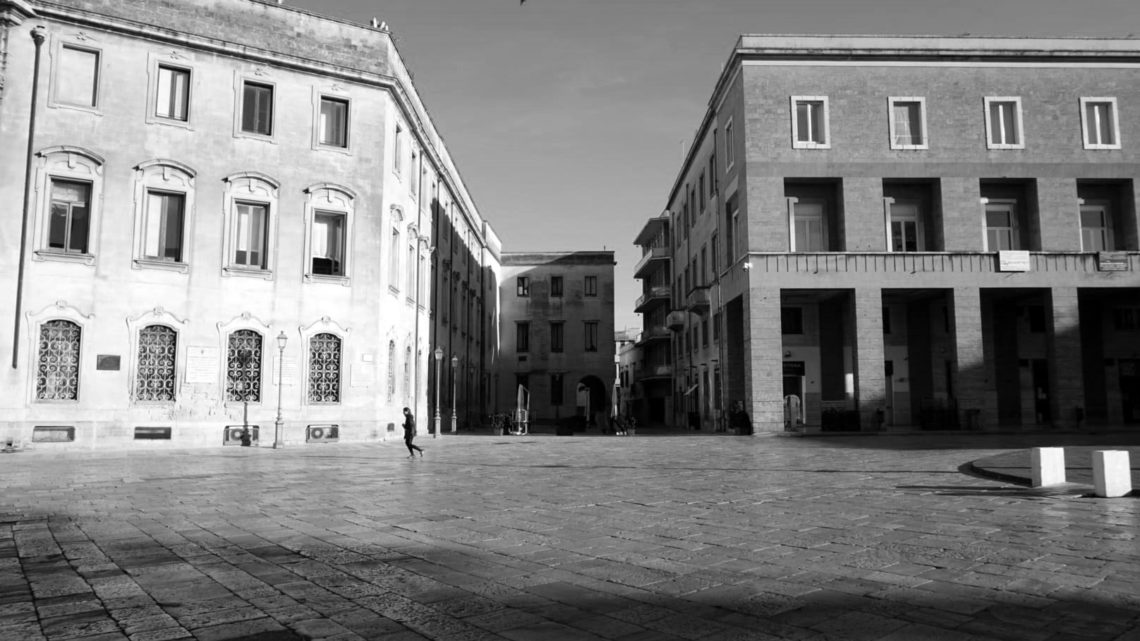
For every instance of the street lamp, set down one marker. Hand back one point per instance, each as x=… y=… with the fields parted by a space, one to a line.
x=454 y=383
x=278 y=443
x=438 y=418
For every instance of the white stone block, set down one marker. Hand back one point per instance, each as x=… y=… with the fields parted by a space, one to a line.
x=1112 y=473
x=1048 y=465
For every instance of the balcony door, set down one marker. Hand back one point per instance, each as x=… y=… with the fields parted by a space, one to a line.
x=1096 y=226
x=906 y=227
x=1001 y=225
x=810 y=223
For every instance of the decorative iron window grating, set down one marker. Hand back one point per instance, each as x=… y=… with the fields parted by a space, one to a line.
x=243 y=366
x=324 y=368
x=57 y=373
x=154 y=378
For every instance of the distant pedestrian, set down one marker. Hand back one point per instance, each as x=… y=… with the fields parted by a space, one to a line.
x=410 y=433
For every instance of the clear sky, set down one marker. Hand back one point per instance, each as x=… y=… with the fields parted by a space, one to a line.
x=567 y=118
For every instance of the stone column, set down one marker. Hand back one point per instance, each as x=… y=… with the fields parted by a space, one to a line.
x=764 y=368
x=973 y=381
x=870 y=375
x=1066 y=375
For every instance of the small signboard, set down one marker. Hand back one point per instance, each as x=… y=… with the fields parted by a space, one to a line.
x=201 y=365
x=1013 y=261
x=793 y=368
x=108 y=362
x=1112 y=261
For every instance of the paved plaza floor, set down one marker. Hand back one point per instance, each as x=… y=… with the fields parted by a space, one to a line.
x=561 y=538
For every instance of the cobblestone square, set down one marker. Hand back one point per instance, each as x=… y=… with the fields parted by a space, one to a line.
x=542 y=537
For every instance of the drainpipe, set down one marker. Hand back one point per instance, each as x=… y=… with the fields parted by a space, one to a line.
x=38 y=38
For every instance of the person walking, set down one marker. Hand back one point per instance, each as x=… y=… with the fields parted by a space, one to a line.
x=410 y=433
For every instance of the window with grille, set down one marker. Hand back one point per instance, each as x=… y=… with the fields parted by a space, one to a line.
x=57 y=371
x=243 y=366
x=154 y=371
x=324 y=368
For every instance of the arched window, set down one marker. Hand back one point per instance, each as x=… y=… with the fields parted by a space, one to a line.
x=154 y=375
x=57 y=371
x=324 y=368
x=243 y=366
x=391 y=370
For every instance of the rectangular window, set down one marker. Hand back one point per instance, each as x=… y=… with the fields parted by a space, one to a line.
x=791 y=320
x=906 y=233
x=1096 y=226
x=730 y=253
x=713 y=264
x=163 y=233
x=394 y=261
x=333 y=124
x=712 y=171
x=172 y=100
x=591 y=285
x=69 y=217
x=729 y=156
x=705 y=265
x=557 y=337
x=810 y=227
x=410 y=271
x=908 y=123
x=398 y=152
x=257 y=109
x=1003 y=123
x=716 y=327
x=1100 y=126
x=809 y=122
x=522 y=337
x=701 y=192
x=251 y=235
x=1001 y=231
x=556 y=286
x=328 y=244
x=78 y=80
x=522 y=286
x=591 y=342
x=705 y=332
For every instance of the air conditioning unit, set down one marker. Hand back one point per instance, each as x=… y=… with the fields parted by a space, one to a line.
x=322 y=434
x=233 y=434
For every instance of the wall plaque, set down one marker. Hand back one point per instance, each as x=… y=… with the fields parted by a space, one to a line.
x=108 y=362
x=1013 y=261
x=201 y=365
x=1112 y=261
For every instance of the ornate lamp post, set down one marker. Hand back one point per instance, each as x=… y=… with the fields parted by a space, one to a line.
x=438 y=358
x=454 y=385
x=278 y=443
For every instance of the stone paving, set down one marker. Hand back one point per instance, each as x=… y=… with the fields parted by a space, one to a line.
x=560 y=538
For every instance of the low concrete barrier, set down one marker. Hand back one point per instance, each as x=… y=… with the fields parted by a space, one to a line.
x=1048 y=466
x=1112 y=473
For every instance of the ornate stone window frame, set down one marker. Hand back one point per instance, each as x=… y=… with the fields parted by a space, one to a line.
x=135 y=324
x=250 y=187
x=76 y=164
x=337 y=199
x=324 y=325
x=173 y=59
x=60 y=310
x=165 y=176
x=250 y=322
x=80 y=41
x=332 y=92
x=258 y=76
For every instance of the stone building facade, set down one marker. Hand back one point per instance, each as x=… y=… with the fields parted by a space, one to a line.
x=911 y=233
x=219 y=221
x=557 y=334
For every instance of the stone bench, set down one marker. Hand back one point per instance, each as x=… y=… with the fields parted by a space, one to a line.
x=1112 y=473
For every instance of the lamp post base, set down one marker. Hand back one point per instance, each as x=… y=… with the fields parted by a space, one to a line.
x=454 y=422
x=437 y=425
x=277 y=442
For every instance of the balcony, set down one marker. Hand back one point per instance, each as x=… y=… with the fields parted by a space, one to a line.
x=676 y=320
x=655 y=257
x=654 y=228
x=654 y=333
x=906 y=269
x=656 y=373
x=698 y=300
x=652 y=298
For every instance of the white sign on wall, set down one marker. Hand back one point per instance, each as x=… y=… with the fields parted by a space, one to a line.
x=1013 y=261
x=201 y=365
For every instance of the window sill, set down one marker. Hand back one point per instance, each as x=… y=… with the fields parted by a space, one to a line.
x=336 y=149
x=411 y=302
x=162 y=265
x=55 y=401
x=344 y=281
x=910 y=147
x=239 y=405
x=1092 y=147
x=395 y=291
x=255 y=136
x=248 y=272
x=169 y=122
x=811 y=145
x=65 y=257
x=1002 y=146
x=94 y=111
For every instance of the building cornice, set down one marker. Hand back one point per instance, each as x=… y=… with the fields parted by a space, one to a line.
x=14 y=12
